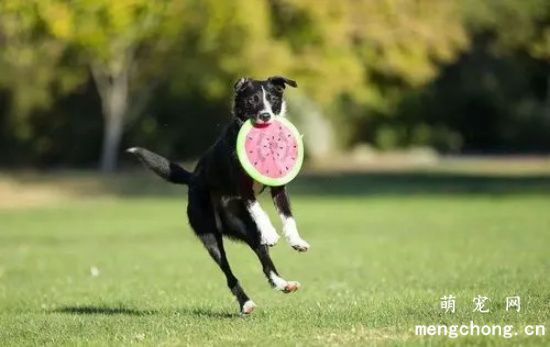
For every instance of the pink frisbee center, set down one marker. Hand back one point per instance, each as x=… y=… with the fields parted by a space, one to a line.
x=272 y=149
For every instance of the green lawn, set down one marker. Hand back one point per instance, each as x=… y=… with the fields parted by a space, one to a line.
x=385 y=248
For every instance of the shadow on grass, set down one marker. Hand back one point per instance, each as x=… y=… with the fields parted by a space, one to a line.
x=102 y=310
x=110 y=311
x=207 y=312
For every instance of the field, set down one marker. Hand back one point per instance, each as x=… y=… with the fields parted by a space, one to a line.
x=112 y=261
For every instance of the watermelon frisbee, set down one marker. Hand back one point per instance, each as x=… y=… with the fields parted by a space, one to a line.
x=273 y=153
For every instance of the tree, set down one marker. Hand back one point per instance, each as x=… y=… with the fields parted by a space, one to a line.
x=530 y=34
x=118 y=41
x=358 y=58
x=30 y=65
x=368 y=52
x=355 y=60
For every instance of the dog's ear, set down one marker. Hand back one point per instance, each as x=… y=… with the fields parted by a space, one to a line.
x=282 y=81
x=241 y=84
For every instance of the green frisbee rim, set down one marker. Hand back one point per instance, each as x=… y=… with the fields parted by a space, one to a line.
x=251 y=170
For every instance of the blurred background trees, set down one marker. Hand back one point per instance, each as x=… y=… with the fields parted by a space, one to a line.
x=80 y=79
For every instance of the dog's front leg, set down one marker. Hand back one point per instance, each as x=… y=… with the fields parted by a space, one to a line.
x=268 y=234
x=282 y=203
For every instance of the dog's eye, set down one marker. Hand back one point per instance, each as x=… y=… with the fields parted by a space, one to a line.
x=279 y=89
x=254 y=99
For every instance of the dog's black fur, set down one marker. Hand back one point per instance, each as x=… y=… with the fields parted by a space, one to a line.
x=221 y=193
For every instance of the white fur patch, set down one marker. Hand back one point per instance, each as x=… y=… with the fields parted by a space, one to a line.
x=279 y=283
x=290 y=231
x=268 y=234
x=289 y=227
x=283 y=109
x=267 y=104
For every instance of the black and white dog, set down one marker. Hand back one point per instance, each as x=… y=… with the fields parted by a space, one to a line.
x=222 y=197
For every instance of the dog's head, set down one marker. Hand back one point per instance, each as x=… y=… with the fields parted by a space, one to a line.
x=261 y=100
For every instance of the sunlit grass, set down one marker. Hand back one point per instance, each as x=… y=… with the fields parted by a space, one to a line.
x=126 y=268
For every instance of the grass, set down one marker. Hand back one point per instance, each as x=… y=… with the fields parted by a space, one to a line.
x=385 y=248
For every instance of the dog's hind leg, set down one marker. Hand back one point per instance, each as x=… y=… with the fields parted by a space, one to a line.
x=205 y=222
x=262 y=251
x=214 y=245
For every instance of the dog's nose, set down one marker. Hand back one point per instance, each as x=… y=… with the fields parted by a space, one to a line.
x=265 y=116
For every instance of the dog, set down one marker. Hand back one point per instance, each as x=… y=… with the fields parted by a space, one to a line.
x=222 y=197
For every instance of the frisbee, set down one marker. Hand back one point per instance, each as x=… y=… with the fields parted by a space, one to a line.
x=272 y=153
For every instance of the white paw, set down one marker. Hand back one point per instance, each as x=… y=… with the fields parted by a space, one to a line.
x=298 y=244
x=292 y=236
x=248 y=307
x=283 y=285
x=269 y=237
x=291 y=287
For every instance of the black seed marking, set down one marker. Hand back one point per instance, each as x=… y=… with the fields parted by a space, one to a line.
x=286 y=167
x=255 y=163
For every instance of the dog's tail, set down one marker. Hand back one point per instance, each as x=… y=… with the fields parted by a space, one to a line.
x=166 y=169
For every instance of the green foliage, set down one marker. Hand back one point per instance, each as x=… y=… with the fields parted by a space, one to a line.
x=111 y=32
x=362 y=48
x=529 y=18
x=386 y=72
x=30 y=65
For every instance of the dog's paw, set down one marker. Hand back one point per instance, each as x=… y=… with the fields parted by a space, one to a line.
x=291 y=287
x=299 y=244
x=283 y=285
x=248 y=307
x=292 y=236
x=269 y=237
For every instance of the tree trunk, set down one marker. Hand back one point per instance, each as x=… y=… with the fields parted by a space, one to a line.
x=112 y=133
x=113 y=91
x=320 y=140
